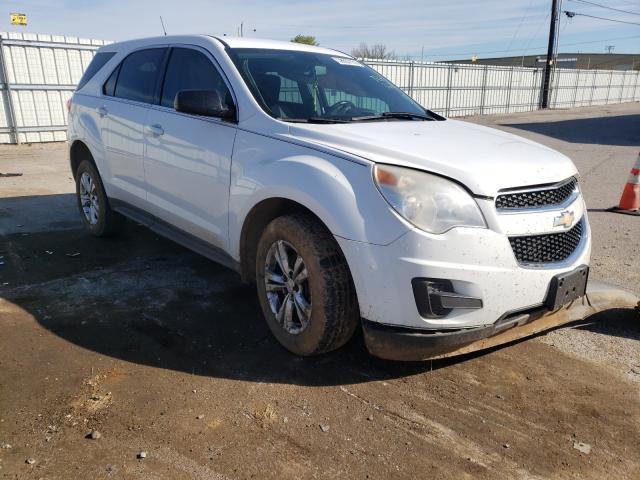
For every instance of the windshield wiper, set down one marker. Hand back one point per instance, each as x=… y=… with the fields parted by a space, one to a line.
x=315 y=120
x=429 y=115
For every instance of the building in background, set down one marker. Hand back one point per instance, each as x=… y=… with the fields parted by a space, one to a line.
x=585 y=61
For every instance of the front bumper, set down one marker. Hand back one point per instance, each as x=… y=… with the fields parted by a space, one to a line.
x=479 y=263
x=404 y=344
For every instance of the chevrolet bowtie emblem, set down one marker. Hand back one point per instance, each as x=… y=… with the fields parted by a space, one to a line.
x=565 y=219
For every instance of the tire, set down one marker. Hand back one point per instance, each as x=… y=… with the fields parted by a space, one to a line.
x=96 y=213
x=328 y=290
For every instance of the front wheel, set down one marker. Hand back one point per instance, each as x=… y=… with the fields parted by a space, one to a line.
x=304 y=286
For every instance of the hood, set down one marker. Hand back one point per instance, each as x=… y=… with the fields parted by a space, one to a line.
x=485 y=160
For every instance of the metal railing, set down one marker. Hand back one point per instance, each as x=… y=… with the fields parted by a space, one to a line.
x=462 y=89
x=38 y=74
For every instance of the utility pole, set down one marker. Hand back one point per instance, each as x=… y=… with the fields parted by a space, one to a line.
x=550 y=51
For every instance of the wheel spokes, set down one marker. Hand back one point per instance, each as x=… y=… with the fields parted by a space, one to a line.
x=302 y=276
x=89 y=198
x=282 y=257
x=303 y=308
x=274 y=282
x=298 y=265
x=287 y=289
x=288 y=313
x=85 y=180
x=280 y=312
x=284 y=311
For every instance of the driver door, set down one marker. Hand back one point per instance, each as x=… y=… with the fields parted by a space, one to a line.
x=188 y=157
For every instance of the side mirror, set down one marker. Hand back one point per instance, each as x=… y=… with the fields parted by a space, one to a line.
x=208 y=103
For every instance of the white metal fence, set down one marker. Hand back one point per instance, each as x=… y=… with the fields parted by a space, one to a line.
x=38 y=74
x=460 y=89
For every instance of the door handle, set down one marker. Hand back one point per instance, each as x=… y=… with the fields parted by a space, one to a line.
x=102 y=111
x=155 y=130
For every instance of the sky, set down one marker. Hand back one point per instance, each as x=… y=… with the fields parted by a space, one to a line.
x=428 y=29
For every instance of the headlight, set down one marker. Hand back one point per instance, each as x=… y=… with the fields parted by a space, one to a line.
x=431 y=203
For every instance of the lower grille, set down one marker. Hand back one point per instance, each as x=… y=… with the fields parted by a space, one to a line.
x=547 y=248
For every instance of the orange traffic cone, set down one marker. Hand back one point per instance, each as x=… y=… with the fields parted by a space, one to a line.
x=630 y=200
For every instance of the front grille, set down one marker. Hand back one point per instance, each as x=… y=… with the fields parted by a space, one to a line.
x=555 y=195
x=547 y=248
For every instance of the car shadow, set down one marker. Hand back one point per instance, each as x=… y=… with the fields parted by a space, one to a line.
x=143 y=299
x=621 y=130
x=622 y=323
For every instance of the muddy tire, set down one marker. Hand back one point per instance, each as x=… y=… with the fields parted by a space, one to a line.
x=300 y=265
x=96 y=213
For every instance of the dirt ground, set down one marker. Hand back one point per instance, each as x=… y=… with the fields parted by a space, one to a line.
x=164 y=352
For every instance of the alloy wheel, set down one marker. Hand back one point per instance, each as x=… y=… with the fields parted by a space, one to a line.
x=287 y=285
x=89 y=198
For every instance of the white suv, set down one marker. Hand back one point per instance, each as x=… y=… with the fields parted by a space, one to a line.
x=342 y=198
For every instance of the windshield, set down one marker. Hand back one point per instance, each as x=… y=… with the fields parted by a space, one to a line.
x=309 y=86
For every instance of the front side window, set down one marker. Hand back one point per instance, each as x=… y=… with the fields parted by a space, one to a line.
x=307 y=86
x=189 y=69
x=138 y=75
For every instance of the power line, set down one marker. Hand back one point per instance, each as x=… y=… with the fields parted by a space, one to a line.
x=598 y=41
x=561 y=31
x=576 y=14
x=604 y=6
x=564 y=45
x=635 y=4
x=526 y=13
x=535 y=35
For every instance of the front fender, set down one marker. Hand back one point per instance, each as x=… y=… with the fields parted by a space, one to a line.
x=340 y=192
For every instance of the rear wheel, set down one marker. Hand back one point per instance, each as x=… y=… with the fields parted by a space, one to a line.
x=96 y=213
x=304 y=286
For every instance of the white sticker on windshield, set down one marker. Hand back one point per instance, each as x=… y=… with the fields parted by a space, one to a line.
x=347 y=61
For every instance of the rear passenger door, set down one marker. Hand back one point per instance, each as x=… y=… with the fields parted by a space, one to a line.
x=129 y=91
x=188 y=159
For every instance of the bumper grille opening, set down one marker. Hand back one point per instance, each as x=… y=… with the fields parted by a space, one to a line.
x=547 y=248
x=555 y=195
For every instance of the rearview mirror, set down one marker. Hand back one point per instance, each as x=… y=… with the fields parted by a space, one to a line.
x=208 y=103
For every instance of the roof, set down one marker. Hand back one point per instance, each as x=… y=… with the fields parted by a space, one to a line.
x=234 y=42
x=250 y=42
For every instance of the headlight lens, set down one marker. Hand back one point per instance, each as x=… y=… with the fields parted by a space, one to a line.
x=431 y=203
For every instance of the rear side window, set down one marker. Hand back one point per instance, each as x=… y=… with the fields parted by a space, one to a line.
x=189 y=69
x=109 y=87
x=139 y=74
x=96 y=64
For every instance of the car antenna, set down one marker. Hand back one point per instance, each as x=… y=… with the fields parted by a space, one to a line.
x=162 y=23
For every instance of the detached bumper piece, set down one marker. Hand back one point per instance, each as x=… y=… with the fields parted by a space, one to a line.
x=403 y=344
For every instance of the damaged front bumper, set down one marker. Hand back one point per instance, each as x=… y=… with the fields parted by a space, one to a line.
x=404 y=344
